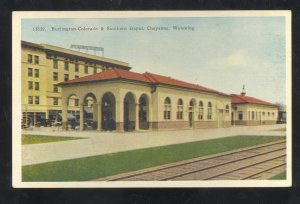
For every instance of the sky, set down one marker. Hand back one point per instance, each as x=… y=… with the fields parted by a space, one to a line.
x=222 y=53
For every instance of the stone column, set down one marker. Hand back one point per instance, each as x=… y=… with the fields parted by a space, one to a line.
x=119 y=115
x=65 y=115
x=99 y=114
x=95 y=111
x=137 y=121
x=34 y=118
x=81 y=123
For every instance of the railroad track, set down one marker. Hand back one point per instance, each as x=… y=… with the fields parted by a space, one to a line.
x=256 y=162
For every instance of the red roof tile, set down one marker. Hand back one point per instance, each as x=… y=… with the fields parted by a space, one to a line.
x=238 y=99
x=150 y=78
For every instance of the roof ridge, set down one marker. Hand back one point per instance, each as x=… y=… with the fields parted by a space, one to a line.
x=119 y=75
x=150 y=77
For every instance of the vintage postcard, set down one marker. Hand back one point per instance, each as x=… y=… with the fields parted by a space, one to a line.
x=152 y=99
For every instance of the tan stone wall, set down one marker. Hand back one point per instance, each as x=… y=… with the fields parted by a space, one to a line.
x=259 y=117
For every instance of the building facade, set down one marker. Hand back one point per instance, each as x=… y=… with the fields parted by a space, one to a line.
x=43 y=67
x=123 y=100
x=252 y=111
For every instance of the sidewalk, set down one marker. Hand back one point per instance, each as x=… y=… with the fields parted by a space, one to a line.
x=97 y=143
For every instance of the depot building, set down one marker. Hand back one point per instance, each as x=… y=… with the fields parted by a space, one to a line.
x=122 y=100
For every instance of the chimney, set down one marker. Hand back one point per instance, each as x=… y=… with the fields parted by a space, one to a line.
x=243 y=93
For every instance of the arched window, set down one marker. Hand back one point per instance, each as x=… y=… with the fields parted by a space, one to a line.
x=200 y=110
x=167 y=110
x=179 y=109
x=209 y=111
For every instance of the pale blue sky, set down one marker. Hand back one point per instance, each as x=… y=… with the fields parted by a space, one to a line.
x=222 y=53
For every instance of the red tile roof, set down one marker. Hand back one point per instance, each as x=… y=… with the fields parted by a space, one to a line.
x=240 y=99
x=147 y=77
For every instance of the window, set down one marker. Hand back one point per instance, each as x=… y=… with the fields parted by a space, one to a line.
x=240 y=115
x=55 y=63
x=55 y=76
x=55 y=88
x=227 y=108
x=76 y=67
x=67 y=66
x=200 y=110
x=29 y=72
x=268 y=114
x=76 y=102
x=29 y=58
x=179 y=109
x=66 y=77
x=86 y=69
x=36 y=73
x=209 y=111
x=167 y=111
x=30 y=85
x=55 y=101
x=36 y=60
x=95 y=69
x=30 y=99
x=273 y=114
x=76 y=76
x=263 y=113
x=37 y=86
x=252 y=115
x=37 y=100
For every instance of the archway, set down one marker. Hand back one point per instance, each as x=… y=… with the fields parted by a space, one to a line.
x=90 y=112
x=73 y=112
x=129 y=112
x=191 y=112
x=143 y=112
x=108 y=110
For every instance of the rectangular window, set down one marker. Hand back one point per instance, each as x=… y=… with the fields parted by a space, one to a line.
x=76 y=67
x=252 y=115
x=167 y=112
x=37 y=100
x=37 y=86
x=30 y=85
x=55 y=88
x=66 y=77
x=66 y=66
x=55 y=76
x=55 y=63
x=36 y=73
x=29 y=73
x=55 y=101
x=30 y=99
x=86 y=69
x=36 y=60
x=29 y=58
x=200 y=115
x=240 y=115
x=179 y=112
x=209 y=113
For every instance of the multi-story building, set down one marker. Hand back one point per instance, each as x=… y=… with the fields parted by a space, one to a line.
x=43 y=67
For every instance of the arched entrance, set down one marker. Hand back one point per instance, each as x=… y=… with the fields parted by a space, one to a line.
x=108 y=111
x=191 y=112
x=90 y=112
x=144 y=112
x=129 y=112
x=73 y=112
